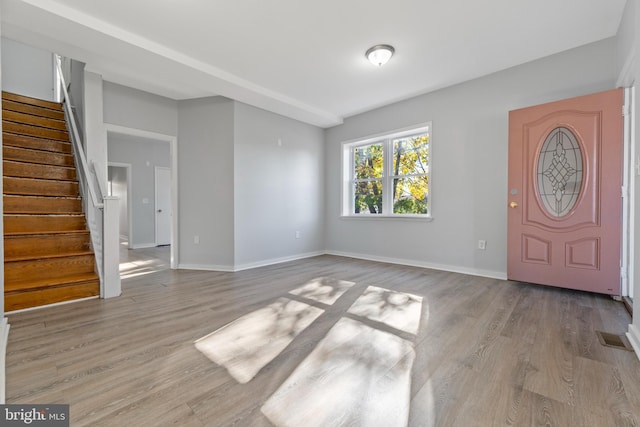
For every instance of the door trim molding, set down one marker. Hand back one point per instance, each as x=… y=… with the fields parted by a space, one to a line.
x=155 y=190
x=173 y=154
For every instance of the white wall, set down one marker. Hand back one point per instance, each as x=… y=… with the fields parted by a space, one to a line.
x=27 y=70
x=278 y=187
x=143 y=155
x=205 y=183
x=469 y=168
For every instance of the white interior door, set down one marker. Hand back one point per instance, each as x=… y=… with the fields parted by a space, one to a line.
x=163 y=206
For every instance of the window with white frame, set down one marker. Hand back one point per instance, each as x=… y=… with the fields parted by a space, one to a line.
x=388 y=175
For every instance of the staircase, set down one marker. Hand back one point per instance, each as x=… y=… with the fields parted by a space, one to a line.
x=47 y=253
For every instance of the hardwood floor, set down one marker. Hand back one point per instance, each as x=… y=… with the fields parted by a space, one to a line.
x=326 y=341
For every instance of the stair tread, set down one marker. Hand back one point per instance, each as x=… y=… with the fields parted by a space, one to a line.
x=10 y=149
x=11 y=139
x=72 y=279
x=10 y=105
x=33 y=120
x=37 y=131
x=50 y=256
x=43 y=297
x=30 y=178
x=28 y=163
x=17 y=235
x=43 y=196
x=24 y=99
x=43 y=233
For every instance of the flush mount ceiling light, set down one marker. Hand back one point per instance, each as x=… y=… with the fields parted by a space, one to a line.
x=379 y=54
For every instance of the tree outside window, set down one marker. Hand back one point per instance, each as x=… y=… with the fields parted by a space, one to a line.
x=389 y=175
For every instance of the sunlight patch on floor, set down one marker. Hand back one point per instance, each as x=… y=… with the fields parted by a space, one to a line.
x=247 y=344
x=324 y=289
x=139 y=268
x=356 y=375
x=399 y=310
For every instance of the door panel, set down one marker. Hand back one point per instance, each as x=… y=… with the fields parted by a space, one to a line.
x=565 y=207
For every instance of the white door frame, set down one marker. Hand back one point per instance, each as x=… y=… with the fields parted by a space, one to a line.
x=155 y=179
x=173 y=153
x=129 y=199
x=626 y=79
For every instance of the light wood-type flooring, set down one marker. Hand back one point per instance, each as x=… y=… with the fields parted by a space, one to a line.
x=325 y=341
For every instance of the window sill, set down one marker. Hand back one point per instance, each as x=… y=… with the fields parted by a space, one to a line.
x=387 y=217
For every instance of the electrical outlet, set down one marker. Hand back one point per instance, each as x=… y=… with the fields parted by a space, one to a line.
x=297 y=234
x=196 y=240
x=482 y=245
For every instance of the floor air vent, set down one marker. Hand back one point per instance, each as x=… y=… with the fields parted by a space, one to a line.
x=614 y=340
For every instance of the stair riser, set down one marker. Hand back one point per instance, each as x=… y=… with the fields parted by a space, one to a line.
x=35 y=156
x=35 y=298
x=34 y=131
x=30 y=119
x=43 y=223
x=29 y=204
x=8 y=105
x=39 y=187
x=31 y=101
x=32 y=170
x=18 y=273
x=47 y=245
x=10 y=139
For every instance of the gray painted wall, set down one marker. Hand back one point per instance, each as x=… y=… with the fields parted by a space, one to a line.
x=205 y=183
x=27 y=70
x=143 y=155
x=469 y=168
x=278 y=187
x=117 y=176
x=76 y=92
x=136 y=109
x=626 y=36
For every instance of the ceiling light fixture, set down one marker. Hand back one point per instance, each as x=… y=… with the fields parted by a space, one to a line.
x=379 y=54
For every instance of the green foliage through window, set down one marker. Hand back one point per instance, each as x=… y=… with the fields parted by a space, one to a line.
x=391 y=174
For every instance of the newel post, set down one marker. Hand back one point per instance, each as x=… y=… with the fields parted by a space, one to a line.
x=111 y=241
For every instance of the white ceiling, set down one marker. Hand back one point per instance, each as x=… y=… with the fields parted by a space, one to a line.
x=305 y=59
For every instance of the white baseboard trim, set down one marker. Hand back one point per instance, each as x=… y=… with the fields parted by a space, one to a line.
x=143 y=246
x=206 y=267
x=413 y=263
x=4 y=337
x=634 y=338
x=273 y=261
x=247 y=266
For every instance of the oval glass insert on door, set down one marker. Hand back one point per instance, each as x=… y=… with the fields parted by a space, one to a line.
x=559 y=172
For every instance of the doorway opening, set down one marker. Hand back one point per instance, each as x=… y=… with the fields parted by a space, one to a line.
x=142 y=174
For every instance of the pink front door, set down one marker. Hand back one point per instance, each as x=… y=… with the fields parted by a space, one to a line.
x=565 y=206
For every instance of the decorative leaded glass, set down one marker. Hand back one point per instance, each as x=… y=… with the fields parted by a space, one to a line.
x=559 y=172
